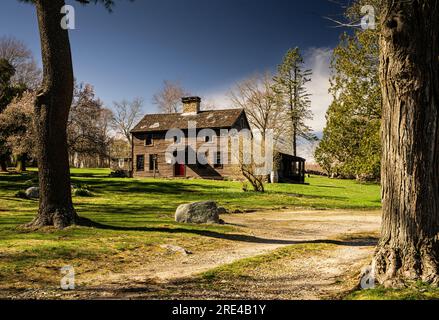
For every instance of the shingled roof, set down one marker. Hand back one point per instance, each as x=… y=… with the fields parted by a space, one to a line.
x=214 y=119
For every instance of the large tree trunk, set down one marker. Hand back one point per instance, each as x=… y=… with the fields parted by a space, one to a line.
x=409 y=247
x=51 y=112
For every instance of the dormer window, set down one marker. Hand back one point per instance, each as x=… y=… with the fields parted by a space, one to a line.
x=149 y=140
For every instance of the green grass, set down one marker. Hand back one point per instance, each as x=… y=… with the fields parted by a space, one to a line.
x=134 y=216
x=418 y=291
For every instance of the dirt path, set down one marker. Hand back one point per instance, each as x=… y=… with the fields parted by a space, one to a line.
x=268 y=231
x=310 y=277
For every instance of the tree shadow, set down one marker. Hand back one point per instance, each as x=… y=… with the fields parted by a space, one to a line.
x=357 y=242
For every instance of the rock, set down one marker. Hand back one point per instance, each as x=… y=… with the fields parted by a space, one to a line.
x=33 y=193
x=222 y=210
x=173 y=248
x=198 y=212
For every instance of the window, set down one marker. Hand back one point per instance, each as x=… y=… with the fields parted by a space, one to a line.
x=219 y=161
x=242 y=123
x=177 y=139
x=140 y=163
x=153 y=163
x=207 y=139
x=148 y=140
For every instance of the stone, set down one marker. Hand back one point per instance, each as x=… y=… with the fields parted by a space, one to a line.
x=33 y=193
x=198 y=213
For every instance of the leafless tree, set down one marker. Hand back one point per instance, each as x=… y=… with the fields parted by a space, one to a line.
x=126 y=115
x=246 y=165
x=257 y=97
x=88 y=127
x=20 y=57
x=168 y=100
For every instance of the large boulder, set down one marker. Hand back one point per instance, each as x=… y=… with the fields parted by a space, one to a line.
x=198 y=212
x=33 y=193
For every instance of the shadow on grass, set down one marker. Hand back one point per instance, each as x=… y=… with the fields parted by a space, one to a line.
x=146 y=187
x=329 y=187
x=357 y=242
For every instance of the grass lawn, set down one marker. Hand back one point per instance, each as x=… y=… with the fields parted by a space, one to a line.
x=134 y=217
x=416 y=291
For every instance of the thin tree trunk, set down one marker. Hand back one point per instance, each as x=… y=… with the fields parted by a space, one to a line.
x=294 y=140
x=409 y=245
x=21 y=163
x=51 y=112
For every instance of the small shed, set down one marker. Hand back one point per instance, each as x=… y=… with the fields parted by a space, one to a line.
x=291 y=169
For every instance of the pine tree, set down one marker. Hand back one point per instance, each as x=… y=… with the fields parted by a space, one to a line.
x=290 y=84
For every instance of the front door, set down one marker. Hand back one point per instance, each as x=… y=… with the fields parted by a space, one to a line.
x=179 y=170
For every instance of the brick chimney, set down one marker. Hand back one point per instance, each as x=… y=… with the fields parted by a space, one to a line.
x=191 y=105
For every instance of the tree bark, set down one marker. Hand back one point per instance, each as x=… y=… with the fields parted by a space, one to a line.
x=21 y=163
x=52 y=107
x=409 y=245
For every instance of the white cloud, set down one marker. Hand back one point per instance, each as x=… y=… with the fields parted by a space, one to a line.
x=218 y=99
x=318 y=59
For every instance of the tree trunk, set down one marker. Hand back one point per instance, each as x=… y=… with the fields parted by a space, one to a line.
x=52 y=107
x=21 y=163
x=294 y=140
x=3 y=164
x=409 y=245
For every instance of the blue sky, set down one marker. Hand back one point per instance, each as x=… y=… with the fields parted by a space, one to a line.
x=207 y=45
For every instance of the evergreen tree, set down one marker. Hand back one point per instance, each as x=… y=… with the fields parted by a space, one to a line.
x=351 y=146
x=290 y=84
